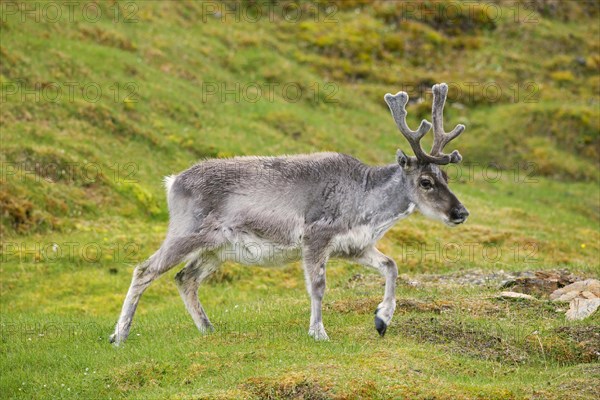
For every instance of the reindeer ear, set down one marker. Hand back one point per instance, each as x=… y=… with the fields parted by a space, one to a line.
x=405 y=162
x=402 y=158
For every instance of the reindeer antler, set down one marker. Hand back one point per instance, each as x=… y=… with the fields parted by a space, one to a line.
x=397 y=104
x=441 y=138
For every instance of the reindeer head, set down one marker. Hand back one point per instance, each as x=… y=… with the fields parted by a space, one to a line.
x=428 y=184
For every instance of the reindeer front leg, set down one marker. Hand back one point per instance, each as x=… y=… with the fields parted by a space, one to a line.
x=387 y=267
x=314 y=259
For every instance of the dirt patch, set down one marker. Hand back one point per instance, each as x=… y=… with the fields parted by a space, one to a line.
x=500 y=307
x=294 y=387
x=462 y=338
x=586 y=340
x=505 y=343
x=542 y=283
x=529 y=282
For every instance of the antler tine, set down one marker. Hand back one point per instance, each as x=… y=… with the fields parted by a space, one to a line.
x=440 y=137
x=397 y=104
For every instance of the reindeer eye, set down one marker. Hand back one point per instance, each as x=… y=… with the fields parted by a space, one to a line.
x=425 y=184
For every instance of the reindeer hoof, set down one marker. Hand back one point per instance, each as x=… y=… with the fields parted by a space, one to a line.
x=380 y=326
x=318 y=333
x=207 y=330
x=113 y=339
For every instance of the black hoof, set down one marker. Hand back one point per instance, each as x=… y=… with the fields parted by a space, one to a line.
x=380 y=325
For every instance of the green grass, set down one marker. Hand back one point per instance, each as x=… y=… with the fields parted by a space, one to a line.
x=82 y=201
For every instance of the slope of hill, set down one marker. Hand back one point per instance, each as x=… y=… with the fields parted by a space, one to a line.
x=90 y=103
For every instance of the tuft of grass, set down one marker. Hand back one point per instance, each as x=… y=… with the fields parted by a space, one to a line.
x=289 y=386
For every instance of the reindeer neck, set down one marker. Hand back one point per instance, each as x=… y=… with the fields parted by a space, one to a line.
x=386 y=193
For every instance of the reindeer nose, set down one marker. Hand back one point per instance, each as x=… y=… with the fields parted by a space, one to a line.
x=459 y=214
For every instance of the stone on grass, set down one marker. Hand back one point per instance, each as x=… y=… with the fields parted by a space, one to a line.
x=590 y=286
x=516 y=295
x=583 y=298
x=582 y=308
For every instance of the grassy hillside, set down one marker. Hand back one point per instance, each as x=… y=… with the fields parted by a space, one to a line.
x=102 y=102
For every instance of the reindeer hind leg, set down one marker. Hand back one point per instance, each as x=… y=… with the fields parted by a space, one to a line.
x=172 y=252
x=188 y=280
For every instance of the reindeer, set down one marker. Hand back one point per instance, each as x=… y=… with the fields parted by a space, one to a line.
x=312 y=207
